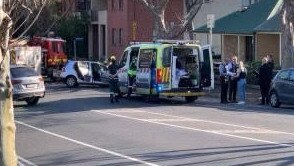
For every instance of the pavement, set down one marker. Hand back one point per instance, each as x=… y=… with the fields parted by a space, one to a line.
x=252 y=93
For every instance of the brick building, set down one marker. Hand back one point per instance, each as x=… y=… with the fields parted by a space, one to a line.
x=115 y=23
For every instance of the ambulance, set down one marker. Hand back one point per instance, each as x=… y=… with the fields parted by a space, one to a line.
x=169 y=68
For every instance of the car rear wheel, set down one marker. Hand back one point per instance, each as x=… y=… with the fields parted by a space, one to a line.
x=274 y=100
x=32 y=101
x=190 y=99
x=71 y=81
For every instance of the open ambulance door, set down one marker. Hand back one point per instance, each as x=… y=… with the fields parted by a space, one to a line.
x=123 y=70
x=206 y=67
x=143 y=76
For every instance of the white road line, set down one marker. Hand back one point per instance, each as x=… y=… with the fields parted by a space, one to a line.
x=87 y=145
x=214 y=122
x=194 y=129
x=26 y=162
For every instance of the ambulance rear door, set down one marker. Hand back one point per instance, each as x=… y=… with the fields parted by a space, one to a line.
x=206 y=67
x=143 y=77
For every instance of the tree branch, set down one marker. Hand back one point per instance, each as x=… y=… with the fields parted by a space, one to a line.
x=35 y=19
x=58 y=19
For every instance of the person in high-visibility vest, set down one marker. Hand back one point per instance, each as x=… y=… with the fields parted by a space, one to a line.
x=132 y=71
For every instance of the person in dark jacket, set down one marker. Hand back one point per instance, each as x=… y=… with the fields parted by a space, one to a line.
x=113 y=80
x=224 y=81
x=265 y=77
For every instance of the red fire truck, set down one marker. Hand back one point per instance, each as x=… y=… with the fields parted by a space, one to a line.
x=53 y=56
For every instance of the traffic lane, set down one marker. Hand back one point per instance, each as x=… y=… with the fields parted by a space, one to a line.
x=43 y=147
x=166 y=145
x=208 y=126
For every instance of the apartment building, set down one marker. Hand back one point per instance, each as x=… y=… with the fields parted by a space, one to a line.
x=115 y=23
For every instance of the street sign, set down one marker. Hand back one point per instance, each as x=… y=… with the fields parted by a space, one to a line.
x=210 y=21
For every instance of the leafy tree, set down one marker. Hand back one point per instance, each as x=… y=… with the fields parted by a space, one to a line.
x=16 y=17
x=73 y=27
x=288 y=34
x=161 y=30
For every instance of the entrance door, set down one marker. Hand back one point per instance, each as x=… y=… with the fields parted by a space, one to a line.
x=206 y=67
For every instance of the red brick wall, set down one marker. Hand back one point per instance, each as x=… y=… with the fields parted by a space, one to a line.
x=144 y=21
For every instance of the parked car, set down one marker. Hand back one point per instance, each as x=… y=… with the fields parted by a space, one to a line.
x=28 y=84
x=84 y=72
x=282 y=88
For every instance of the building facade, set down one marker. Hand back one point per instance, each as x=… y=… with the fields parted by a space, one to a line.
x=115 y=23
x=219 y=9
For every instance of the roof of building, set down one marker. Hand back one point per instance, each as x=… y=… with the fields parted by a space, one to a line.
x=256 y=17
x=271 y=25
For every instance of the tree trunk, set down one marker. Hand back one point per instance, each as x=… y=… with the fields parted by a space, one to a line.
x=288 y=34
x=7 y=126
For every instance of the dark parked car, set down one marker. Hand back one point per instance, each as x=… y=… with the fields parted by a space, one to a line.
x=282 y=88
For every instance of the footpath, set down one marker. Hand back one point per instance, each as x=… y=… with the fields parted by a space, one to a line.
x=252 y=94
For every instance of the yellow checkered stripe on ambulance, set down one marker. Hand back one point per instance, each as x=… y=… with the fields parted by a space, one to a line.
x=165 y=74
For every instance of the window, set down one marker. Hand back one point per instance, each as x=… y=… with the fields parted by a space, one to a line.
x=166 y=58
x=113 y=36
x=124 y=59
x=113 y=4
x=283 y=75
x=145 y=58
x=23 y=72
x=120 y=36
x=121 y=5
x=55 y=47
x=291 y=77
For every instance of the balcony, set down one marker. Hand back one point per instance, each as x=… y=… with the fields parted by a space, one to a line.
x=98 y=17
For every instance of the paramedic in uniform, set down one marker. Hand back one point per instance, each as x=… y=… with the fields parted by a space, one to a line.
x=232 y=71
x=113 y=80
x=132 y=71
x=224 y=82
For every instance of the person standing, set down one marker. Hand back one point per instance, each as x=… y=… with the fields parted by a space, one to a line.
x=232 y=71
x=241 y=77
x=224 y=82
x=113 y=80
x=132 y=72
x=265 y=77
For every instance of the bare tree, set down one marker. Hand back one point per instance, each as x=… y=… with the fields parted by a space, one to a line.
x=288 y=34
x=161 y=30
x=15 y=15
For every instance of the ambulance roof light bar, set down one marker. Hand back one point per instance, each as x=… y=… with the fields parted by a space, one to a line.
x=178 y=42
x=136 y=43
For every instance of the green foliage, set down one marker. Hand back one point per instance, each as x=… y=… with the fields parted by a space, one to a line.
x=251 y=68
x=73 y=27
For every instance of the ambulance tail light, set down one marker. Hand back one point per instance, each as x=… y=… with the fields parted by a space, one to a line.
x=158 y=76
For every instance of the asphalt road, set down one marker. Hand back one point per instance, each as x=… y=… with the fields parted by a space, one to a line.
x=80 y=127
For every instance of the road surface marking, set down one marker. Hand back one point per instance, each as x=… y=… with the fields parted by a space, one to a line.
x=26 y=162
x=220 y=123
x=193 y=129
x=87 y=145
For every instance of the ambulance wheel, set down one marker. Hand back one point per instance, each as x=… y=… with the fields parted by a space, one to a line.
x=190 y=99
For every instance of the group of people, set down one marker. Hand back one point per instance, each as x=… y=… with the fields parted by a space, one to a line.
x=233 y=79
